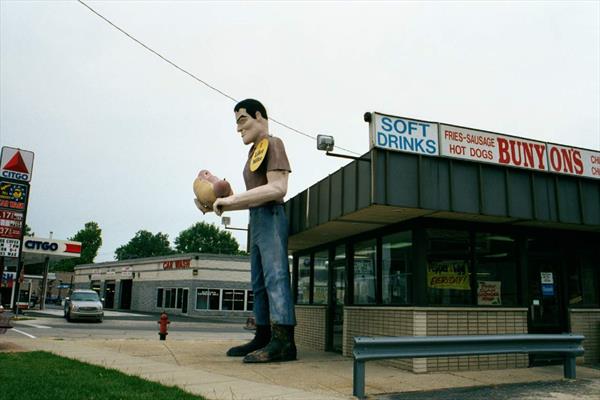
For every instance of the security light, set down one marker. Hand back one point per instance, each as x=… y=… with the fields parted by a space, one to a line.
x=325 y=142
x=225 y=221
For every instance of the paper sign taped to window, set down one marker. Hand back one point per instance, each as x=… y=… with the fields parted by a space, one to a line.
x=488 y=293
x=547 y=278
x=452 y=274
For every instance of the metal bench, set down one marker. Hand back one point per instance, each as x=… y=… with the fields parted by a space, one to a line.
x=377 y=348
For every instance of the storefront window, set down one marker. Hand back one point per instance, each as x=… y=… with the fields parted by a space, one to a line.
x=159 y=298
x=208 y=299
x=303 y=295
x=339 y=275
x=396 y=260
x=583 y=279
x=448 y=267
x=496 y=266
x=233 y=300
x=250 y=300
x=321 y=274
x=179 y=297
x=365 y=260
x=173 y=298
x=167 y=303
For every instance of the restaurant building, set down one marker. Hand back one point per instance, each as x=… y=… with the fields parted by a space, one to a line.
x=446 y=230
x=194 y=284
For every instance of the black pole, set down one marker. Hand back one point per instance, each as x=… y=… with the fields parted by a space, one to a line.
x=44 y=284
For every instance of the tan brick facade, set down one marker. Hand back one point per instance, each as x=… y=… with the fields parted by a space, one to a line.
x=378 y=321
x=311 y=326
x=444 y=322
x=425 y=321
x=586 y=322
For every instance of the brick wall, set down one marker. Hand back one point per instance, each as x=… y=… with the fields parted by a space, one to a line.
x=311 y=326
x=445 y=322
x=586 y=322
x=379 y=321
x=426 y=321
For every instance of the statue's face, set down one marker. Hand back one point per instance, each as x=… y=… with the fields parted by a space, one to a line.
x=251 y=129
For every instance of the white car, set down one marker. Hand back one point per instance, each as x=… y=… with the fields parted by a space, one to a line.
x=83 y=304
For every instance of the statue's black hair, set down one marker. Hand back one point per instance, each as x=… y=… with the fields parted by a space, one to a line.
x=252 y=106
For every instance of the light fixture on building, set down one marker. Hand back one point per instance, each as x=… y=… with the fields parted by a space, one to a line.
x=326 y=143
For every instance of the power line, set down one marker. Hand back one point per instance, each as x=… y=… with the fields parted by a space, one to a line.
x=191 y=75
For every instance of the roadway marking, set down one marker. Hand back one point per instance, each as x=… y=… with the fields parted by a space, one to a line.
x=34 y=325
x=24 y=333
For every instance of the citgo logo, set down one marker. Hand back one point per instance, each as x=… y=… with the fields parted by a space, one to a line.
x=16 y=164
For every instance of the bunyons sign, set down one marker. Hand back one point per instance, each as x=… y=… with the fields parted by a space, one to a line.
x=438 y=139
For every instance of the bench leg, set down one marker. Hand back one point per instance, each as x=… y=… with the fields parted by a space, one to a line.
x=359 y=379
x=569 y=367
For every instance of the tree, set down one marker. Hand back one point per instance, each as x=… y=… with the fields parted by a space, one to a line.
x=28 y=231
x=91 y=240
x=145 y=244
x=206 y=238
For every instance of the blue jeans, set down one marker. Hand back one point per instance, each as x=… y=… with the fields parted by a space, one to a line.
x=269 y=266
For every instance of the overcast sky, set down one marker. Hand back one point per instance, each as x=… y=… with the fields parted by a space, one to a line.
x=119 y=135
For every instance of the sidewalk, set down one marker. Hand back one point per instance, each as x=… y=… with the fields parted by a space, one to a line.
x=200 y=367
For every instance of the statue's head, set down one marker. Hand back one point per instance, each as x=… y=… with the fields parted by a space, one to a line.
x=251 y=119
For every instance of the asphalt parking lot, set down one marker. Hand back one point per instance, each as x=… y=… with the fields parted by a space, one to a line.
x=581 y=389
x=50 y=323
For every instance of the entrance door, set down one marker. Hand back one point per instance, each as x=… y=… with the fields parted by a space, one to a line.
x=547 y=311
x=338 y=295
x=125 y=293
x=109 y=295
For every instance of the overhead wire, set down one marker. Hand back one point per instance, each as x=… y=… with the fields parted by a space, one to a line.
x=191 y=75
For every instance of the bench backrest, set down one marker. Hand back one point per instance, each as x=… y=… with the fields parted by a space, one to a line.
x=373 y=348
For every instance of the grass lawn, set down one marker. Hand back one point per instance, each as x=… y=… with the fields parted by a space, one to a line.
x=41 y=375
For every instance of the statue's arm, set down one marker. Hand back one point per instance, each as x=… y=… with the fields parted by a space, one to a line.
x=274 y=190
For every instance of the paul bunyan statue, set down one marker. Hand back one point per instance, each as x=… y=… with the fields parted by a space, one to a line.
x=266 y=177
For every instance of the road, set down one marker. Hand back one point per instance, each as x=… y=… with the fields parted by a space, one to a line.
x=124 y=325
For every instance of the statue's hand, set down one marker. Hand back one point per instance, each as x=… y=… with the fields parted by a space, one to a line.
x=220 y=204
x=202 y=207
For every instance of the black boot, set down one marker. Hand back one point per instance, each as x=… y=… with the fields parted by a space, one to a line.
x=261 y=339
x=280 y=348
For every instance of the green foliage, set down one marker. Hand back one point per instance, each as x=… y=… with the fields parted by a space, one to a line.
x=206 y=238
x=28 y=231
x=39 y=375
x=91 y=240
x=145 y=244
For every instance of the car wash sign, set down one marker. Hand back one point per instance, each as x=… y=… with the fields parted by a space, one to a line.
x=16 y=164
x=403 y=134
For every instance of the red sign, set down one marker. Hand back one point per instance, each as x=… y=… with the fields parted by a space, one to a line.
x=177 y=264
x=16 y=164
x=474 y=145
x=9 y=218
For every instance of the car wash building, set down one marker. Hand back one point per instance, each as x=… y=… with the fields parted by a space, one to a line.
x=447 y=230
x=195 y=284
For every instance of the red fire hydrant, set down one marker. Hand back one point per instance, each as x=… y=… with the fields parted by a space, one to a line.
x=162 y=326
